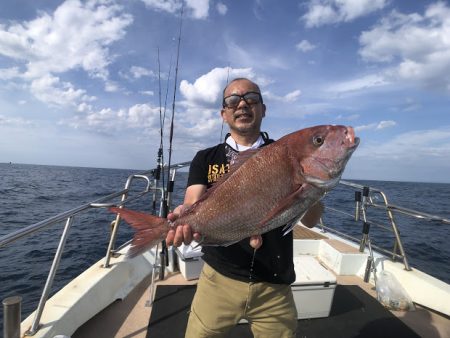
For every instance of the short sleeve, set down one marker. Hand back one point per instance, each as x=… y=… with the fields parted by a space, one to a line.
x=198 y=170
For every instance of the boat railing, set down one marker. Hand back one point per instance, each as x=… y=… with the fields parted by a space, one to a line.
x=367 y=197
x=364 y=200
x=152 y=180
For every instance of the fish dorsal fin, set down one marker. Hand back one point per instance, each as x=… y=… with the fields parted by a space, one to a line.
x=235 y=164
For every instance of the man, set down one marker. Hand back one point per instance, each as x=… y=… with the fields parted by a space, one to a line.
x=250 y=279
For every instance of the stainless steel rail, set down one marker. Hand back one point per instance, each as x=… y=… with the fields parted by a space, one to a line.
x=104 y=202
x=365 y=204
x=393 y=207
x=69 y=216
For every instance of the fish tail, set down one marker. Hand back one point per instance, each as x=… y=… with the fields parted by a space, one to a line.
x=150 y=230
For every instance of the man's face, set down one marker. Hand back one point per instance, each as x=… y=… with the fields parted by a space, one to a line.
x=245 y=118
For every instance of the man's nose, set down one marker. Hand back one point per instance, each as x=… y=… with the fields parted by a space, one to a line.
x=242 y=103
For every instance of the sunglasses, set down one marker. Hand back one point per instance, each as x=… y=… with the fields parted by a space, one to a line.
x=250 y=98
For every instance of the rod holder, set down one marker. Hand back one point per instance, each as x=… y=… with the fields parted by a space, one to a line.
x=358 y=200
x=368 y=268
x=365 y=194
x=366 y=228
x=11 y=316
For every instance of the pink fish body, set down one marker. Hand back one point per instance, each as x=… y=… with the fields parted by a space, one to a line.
x=265 y=189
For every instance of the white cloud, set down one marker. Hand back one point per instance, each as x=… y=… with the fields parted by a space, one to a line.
x=290 y=97
x=376 y=126
x=107 y=120
x=414 y=145
x=305 y=46
x=9 y=73
x=111 y=86
x=249 y=56
x=75 y=36
x=51 y=90
x=136 y=72
x=15 y=121
x=323 y=12
x=358 y=84
x=139 y=72
x=170 y=6
x=198 y=9
x=415 y=47
x=207 y=89
x=221 y=8
x=147 y=92
x=351 y=117
x=386 y=124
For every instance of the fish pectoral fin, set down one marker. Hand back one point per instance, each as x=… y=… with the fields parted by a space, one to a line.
x=284 y=204
x=200 y=242
x=290 y=225
x=312 y=216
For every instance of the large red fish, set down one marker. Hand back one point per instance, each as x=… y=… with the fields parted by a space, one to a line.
x=265 y=189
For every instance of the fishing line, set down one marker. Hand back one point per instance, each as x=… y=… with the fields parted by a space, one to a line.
x=251 y=264
x=228 y=78
x=167 y=88
x=173 y=110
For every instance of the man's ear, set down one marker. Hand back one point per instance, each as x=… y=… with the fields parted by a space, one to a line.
x=263 y=110
x=224 y=116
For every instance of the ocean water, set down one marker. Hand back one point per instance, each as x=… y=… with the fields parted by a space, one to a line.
x=32 y=193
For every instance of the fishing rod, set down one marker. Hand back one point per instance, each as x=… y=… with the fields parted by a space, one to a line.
x=159 y=172
x=160 y=155
x=170 y=182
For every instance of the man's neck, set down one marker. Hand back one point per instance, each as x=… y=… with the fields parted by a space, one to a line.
x=245 y=140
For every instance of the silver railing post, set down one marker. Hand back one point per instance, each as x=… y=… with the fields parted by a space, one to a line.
x=398 y=244
x=11 y=317
x=115 y=228
x=51 y=276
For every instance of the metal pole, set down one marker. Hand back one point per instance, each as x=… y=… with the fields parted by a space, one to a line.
x=115 y=228
x=11 y=317
x=48 y=284
x=396 y=233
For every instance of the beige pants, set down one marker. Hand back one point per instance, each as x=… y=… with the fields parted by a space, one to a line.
x=220 y=302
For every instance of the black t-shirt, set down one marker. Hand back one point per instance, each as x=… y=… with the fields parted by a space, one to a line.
x=273 y=261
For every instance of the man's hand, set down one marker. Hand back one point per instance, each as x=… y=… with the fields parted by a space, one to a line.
x=182 y=233
x=256 y=241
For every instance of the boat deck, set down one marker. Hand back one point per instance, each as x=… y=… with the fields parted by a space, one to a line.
x=130 y=317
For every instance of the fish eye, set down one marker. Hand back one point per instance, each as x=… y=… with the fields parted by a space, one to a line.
x=318 y=140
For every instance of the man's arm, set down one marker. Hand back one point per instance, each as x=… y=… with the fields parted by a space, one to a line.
x=183 y=233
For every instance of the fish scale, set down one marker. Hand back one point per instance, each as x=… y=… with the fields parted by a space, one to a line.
x=266 y=188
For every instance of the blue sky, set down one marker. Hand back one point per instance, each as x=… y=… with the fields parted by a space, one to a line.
x=79 y=79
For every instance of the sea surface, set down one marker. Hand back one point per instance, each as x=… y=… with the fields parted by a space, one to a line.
x=32 y=193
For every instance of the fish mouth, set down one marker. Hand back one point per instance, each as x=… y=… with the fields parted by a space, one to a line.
x=333 y=168
x=355 y=144
x=323 y=184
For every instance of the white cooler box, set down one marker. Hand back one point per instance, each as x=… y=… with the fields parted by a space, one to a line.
x=190 y=260
x=313 y=288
